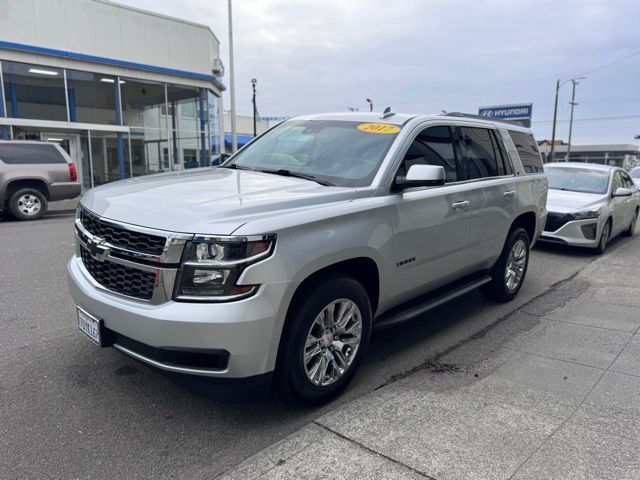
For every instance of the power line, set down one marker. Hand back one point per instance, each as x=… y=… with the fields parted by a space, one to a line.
x=611 y=63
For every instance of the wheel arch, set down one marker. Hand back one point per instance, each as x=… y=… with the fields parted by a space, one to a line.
x=30 y=182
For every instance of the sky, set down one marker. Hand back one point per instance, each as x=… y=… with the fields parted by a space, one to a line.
x=425 y=56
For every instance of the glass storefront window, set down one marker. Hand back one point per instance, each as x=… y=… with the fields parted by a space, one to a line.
x=142 y=103
x=104 y=156
x=34 y=91
x=149 y=151
x=92 y=97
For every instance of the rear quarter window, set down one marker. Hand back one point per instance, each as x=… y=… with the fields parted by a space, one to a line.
x=527 y=151
x=29 y=154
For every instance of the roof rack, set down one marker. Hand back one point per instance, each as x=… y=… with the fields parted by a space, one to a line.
x=478 y=117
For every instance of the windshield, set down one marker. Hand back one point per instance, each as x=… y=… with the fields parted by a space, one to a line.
x=577 y=179
x=343 y=153
x=635 y=173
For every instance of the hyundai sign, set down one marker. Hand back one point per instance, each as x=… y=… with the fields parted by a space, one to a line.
x=519 y=113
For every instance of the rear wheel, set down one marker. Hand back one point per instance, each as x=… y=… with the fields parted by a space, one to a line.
x=509 y=272
x=605 y=236
x=27 y=204
x=632 y=226
x=327 y=333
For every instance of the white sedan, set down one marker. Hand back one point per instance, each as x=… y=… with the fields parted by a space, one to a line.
x=589 y=204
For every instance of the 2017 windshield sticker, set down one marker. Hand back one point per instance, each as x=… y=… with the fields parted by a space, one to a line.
x=382 y=128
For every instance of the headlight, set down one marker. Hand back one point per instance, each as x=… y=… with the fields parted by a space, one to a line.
x=587 y=214
x=212 y=266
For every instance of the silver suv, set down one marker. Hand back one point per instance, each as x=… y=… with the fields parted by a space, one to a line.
x=280 y=262
x=32 y=174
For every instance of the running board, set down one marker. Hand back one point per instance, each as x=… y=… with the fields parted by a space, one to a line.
x=414 y=308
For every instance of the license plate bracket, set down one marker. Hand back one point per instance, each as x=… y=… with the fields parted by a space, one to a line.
x=91 y=326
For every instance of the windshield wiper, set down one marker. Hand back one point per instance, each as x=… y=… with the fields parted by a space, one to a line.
x=288 y=173
x=233 y=166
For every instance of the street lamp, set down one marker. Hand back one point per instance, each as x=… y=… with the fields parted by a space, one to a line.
x=370 y=104
x=555 y=113
x=255 y=110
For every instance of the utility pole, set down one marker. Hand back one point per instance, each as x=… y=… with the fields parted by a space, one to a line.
x=255 y=110
x=573 y=104
x=555 y=115
x=232 y=89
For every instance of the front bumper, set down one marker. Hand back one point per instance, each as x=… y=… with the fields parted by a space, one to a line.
x=573 y=233
x=249 y=329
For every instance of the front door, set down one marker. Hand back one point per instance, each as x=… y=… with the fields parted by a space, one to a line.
x=430 y=224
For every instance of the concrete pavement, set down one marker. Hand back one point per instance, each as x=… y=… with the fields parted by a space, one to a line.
x=552 y=390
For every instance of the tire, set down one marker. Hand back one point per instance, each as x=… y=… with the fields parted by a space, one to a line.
x=632 y=226
x=605 y=236
x=303 y=334
x=27 y=204
x=514 y=258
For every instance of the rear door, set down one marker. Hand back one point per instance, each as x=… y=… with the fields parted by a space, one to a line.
x=492 y=194
x=431 y=223
x=623 y=207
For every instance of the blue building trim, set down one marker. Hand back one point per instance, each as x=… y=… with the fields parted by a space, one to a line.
x=119 y=138
x=71 y=94
x=14 y=98
x=110 y=61
x=4 y=131
x=204 y=161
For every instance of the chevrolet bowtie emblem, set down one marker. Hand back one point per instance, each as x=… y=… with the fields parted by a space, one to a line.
x=98 y=249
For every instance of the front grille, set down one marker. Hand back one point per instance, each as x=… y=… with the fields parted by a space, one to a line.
x=120 y=279
x=121 y=237
x=556 y=221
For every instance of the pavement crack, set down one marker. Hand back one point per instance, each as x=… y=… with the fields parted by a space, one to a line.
x=374 y=452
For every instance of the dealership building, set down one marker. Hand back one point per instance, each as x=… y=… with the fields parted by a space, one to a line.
x=621 y=155
x=126 y=92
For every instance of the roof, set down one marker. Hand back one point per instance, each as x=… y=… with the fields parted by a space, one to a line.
x=402 y=118
x=590 y=166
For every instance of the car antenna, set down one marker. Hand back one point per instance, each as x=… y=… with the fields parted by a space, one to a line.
x=387 y=113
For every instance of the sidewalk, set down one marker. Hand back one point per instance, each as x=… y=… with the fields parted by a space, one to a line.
x=552 y=391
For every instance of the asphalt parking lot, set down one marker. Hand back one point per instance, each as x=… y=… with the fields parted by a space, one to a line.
x=72 y=410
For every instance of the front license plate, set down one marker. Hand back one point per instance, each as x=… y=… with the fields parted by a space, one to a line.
x=89 y=325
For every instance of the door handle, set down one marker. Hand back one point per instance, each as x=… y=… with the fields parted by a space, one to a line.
x=509 y=194
x=460 y=205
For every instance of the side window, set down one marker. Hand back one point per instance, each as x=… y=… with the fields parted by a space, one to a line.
x=432 y=146
x=617 y=182
x=527 y=151
x=627 y=182
x=29 y=153
x=478 y=152
x=504 y=164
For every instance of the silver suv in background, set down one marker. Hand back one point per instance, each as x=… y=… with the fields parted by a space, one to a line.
x=32 y=174
x=279 y=263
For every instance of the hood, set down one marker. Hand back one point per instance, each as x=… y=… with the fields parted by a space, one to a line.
x=562 y=201
x=210 y=201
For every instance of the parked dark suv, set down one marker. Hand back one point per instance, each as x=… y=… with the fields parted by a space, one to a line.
x=33 y=174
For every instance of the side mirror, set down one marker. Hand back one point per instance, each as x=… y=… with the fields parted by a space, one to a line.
x=622 y=192
x=421 y=176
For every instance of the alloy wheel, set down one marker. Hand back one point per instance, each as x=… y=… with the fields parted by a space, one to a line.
x=516 y=264
x=332 y=342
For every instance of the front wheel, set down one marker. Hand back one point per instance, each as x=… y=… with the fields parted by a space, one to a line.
x=605 y=236
x=632 y=226
x=327 y=333
x=509 y=272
